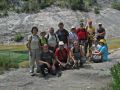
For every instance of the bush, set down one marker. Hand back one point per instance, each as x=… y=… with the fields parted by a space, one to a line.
x=7 y=63
x=115 y=71
x=18 y=37
x=96 y=10
x=116 y=5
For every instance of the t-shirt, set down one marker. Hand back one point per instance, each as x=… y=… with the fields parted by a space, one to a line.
x=52 y=40
x=63 y=35
x=62 y=55
x=47 y=57
x=73 y=37
x=91 y=32
x=34 y=39
x=82 y=34
x=104 y=51
x=100 y=30
x=43 y=41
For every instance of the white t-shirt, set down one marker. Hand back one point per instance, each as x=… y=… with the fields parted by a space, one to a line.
x=34 y=41
x=52 y=40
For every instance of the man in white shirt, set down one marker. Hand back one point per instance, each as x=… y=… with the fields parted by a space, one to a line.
x=52 y=39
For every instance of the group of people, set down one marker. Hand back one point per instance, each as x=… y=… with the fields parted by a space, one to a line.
x=52 y=51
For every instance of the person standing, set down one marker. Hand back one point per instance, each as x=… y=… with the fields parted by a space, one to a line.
x=91 y=35
x=62 y=34
x=100 y=32
x=72 y=36
x=34 y=47
x=52 y=39
x=82 y=36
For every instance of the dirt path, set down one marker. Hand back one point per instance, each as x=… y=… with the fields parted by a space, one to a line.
x=92 y=77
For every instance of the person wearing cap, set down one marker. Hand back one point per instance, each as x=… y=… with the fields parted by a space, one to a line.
x=72 y=36
x=82 y=36
x=63 y=34
x=91 y=36
x=102 y=50
x=62 y=55
x=100 y=32
x=52 y=39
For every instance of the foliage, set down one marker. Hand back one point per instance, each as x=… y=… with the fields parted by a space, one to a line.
x=18 y=37
x=96 y=10
x=24 y=64
x=7 y=62
x=116 y=5
x=115 y=71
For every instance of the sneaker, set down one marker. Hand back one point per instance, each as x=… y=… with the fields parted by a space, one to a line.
x=32 y=74
x=31 y=71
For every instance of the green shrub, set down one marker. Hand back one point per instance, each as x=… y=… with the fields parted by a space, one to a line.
x=18 y=37
x=115 y=71
x=116 y=5
x=7 y=63
x=96 y=10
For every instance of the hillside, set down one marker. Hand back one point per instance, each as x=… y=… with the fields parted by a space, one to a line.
x=50 y=17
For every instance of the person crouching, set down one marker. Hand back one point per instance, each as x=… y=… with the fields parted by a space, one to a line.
x=76 y=54
x=47 y=61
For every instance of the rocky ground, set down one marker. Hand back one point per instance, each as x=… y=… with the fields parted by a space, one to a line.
x=91 y=77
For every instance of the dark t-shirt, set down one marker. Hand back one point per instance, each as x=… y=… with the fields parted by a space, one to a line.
x=47 y=57
x=100 y=30
x=63 y=35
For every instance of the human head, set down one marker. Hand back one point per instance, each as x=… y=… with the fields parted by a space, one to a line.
x=75 y=43
x=73 y=29
x=43 y=33
x=61 y=25
x=81 y=24
x=51 y=30
x=102 y=41
x=100 y=24
x=61 y=44
x=45 y=48
x=90 y=23
x=34 y=30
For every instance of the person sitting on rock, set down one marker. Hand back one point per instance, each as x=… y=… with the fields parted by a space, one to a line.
x=47 y=61
x=76 y=54
x=62 y=56
x=102 y=52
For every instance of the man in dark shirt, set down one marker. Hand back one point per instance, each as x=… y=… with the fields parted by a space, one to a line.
x=47 y=61
x=100 y=32
x=62 y=34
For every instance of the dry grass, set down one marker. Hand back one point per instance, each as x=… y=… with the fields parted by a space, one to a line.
x=13 y=47
x=113 y=43
x=24 y=64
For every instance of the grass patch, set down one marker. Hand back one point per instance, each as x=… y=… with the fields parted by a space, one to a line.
x=13 y=47
x=113 y=43
x=115 y=71
x=7 y=62
x=24 y=64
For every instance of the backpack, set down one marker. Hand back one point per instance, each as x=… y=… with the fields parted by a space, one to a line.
x=97 y=58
